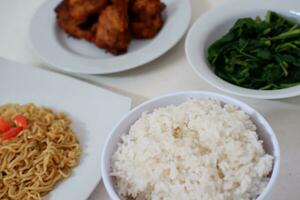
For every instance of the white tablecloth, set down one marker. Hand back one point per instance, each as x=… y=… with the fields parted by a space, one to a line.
x=169 y=73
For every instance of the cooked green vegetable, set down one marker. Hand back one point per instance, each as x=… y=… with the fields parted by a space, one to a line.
x=259 y=54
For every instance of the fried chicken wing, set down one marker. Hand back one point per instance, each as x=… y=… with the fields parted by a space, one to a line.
x=110 y=24
x=146 y=18
x=112 y=30
x=146 y=29
x=81 y=10
x=70 y=25
x=145 y=9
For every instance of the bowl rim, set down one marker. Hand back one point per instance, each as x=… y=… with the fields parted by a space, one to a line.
x=191 y=94
x=200 y=66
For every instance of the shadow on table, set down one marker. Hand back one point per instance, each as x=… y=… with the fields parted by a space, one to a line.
x=284 y=119
x=293 y=100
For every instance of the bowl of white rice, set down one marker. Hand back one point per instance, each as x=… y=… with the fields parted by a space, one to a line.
x=191 y=145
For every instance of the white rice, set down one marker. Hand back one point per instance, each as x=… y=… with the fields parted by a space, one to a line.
x=197 y=150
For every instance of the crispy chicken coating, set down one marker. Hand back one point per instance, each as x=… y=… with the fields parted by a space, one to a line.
x=145 y=9
x=81 y=10
x=110 y=24
x=112 y=30
x=146 y=18
x=69 y=24
x=146 y=29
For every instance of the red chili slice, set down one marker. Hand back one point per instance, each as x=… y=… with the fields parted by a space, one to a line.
x=4 y=126
x=21 y=121
x=12 y=132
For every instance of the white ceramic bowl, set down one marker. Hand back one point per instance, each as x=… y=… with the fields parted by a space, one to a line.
x=216 y=23
x=265 y=132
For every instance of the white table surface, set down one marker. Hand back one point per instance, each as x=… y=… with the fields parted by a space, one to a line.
x=169 y=73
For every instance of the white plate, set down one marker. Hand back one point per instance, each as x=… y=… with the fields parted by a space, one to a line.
x=93 y=112
x=215 y=23
x=79 y=56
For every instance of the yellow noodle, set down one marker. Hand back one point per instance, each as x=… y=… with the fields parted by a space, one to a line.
x=32 y=163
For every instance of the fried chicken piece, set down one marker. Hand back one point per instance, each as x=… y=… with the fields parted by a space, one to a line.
x=81 y=10
x=146 y=18
x=145 y=9
x=70 y=25
x=112 y=30
x=146 y=29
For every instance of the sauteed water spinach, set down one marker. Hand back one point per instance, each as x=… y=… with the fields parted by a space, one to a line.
x=259 y=54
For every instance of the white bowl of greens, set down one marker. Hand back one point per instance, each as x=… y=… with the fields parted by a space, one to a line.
x=249 y=48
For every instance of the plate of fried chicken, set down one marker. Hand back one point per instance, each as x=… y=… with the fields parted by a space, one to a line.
x=107 y=36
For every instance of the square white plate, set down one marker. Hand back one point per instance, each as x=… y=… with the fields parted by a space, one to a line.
x=93 y=112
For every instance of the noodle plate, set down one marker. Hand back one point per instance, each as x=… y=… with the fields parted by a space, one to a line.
x=44 y=153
